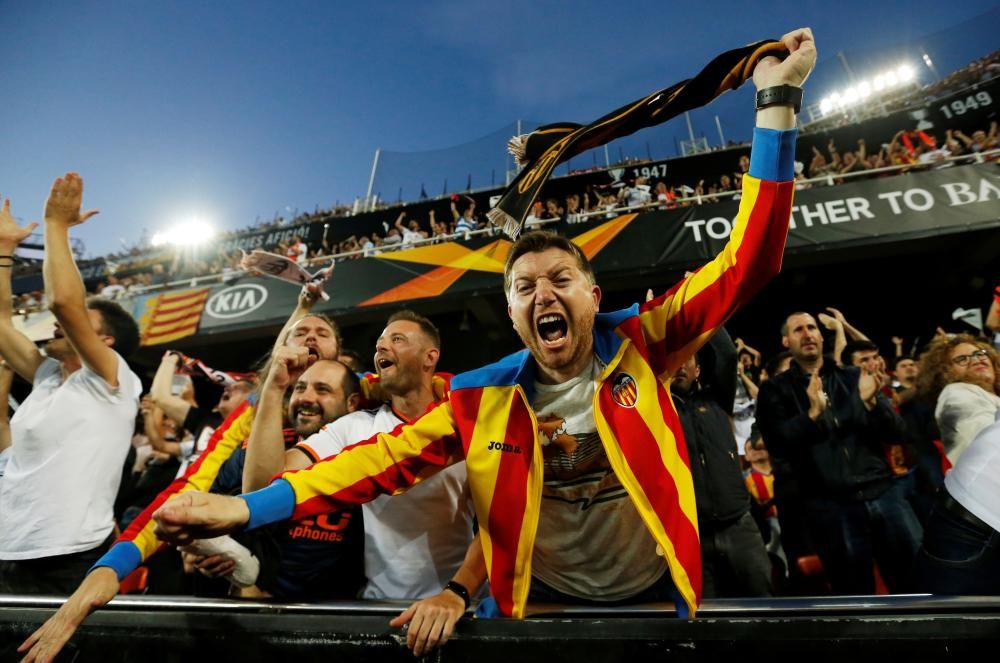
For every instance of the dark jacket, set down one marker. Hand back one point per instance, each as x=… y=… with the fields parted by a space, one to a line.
x=840 y=455
x=705 y=414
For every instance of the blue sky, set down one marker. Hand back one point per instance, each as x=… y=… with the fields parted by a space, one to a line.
x=234 y=110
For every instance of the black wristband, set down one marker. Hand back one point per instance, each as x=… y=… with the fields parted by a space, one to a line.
x=459 y=589
x=780 y=95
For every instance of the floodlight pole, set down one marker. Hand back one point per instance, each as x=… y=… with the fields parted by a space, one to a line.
x=847 y=67
x=371 y=179
x=718 y=125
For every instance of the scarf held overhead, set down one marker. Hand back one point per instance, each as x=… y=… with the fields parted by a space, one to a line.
x=542 y=150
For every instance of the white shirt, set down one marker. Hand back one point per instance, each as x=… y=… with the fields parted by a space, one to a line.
x=70 y=440
x=411 y=236
x=637 y=195
x=415 y=541
x=975 y=479
x=591 y=542
x=963 y=409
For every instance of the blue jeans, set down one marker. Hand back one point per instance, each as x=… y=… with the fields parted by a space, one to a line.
x=960 y=554
x=850 y=536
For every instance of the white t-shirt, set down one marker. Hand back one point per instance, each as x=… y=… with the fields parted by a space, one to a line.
x=637 y=195
x=70 y=440
x=975 y=479
x=963 y=409
x=591 y=542
x=411 y=236
x=415 y=541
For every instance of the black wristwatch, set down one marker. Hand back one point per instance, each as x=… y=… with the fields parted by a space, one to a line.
x=459 y=588
x=780 y=95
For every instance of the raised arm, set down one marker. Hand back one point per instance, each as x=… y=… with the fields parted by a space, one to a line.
x=152 y=419
x=852 y=331
x=173 y=406
x=63 y=284
x=836 y=325
x=16 y=348
x=266 y=444
x=676 y=324
x=726 y=360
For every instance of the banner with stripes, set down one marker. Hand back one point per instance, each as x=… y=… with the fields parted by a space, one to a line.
x=171 y=316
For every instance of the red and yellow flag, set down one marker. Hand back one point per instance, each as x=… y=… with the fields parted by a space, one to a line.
x=172 y=316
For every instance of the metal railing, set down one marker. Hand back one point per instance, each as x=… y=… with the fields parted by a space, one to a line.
x=829 y=179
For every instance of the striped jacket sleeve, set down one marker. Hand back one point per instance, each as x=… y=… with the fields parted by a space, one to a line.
x=385 y=464
x=674 y=325
x=139 y=541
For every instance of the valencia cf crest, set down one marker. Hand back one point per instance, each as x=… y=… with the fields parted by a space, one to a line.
x=624 y=390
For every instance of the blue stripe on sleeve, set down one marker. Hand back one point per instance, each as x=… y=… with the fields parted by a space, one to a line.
x=271 y=504
x=772 y=155
x=124 y=557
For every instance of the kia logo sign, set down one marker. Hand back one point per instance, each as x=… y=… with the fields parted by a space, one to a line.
x=236 y=301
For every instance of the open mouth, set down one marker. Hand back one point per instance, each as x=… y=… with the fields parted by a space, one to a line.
x=552 y=329
x=382 y=363
x=313 y=352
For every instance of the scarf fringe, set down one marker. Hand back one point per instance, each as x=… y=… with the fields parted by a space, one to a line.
x=505 y=222
x=518 y=147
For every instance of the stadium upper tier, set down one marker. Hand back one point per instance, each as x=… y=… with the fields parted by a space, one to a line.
x=930 y=132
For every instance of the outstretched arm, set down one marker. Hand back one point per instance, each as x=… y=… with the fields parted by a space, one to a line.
x=386 y=464
x=63 y=284
x=16 y=348
x=137 y=543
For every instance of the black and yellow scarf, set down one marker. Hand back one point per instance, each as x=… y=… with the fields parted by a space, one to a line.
x=543 y=149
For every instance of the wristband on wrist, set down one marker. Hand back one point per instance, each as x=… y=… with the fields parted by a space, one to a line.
x=780 y=95
x=460 y=590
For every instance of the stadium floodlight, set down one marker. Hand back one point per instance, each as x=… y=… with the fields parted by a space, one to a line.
x=882 y=83
x=191 y=232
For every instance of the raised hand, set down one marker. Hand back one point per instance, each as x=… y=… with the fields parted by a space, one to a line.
x=829 y=321
x=794 y=70
x=837 y=314
x=12 y=234
x=62 y=207
x=287 y=364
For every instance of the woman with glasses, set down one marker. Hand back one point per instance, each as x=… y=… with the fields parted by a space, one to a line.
x=960 y=372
